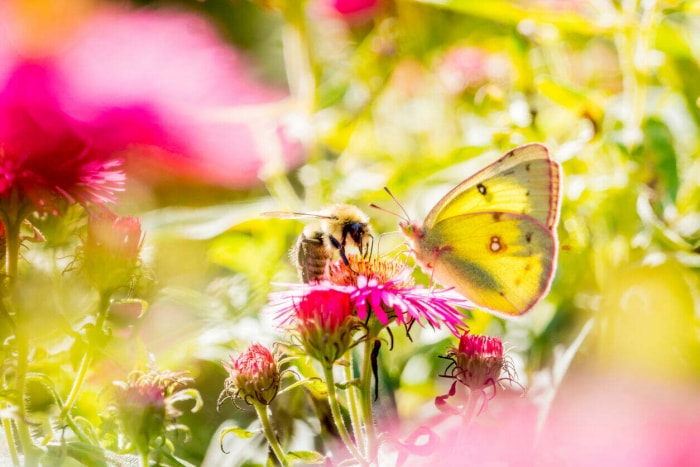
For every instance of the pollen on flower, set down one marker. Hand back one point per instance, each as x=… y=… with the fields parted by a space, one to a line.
x=382 y=270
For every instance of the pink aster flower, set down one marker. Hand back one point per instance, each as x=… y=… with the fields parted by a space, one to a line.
x=381 y=289
x=324 y=322
x=254 y=376
x=46 y=155
x=477 y=363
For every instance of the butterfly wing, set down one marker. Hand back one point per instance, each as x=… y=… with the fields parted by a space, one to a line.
x=503 y=262
x=524 y=181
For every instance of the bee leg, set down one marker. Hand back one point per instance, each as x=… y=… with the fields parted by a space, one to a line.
x=370 y=247
x=341 y=249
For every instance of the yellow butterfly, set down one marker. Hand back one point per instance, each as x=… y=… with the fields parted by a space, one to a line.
x=493 y=237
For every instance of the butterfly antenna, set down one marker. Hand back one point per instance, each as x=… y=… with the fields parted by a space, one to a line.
x=405 y=213
x=405 y=216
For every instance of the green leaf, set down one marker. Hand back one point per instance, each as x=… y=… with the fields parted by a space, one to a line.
x=513 y=13
x=308 y=457
x=84 y=453
x=315 y=384
x=240 y=432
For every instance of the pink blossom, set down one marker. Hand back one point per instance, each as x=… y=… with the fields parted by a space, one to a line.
x=163 y=85
x=47 y=155
x=386 y=301
x=191 y=99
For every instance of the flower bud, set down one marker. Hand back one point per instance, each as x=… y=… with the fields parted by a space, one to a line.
x=253 y=376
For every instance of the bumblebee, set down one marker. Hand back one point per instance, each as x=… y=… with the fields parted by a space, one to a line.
x=341 y=226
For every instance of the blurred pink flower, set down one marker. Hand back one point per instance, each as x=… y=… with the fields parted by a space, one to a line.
x=186 y=103
x=45 y=154
x=595 y=420
x=217 y=123
x=354 y=7
x=463 y=68
x=109 y=256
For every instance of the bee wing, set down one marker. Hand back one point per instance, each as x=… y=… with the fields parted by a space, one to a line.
x=296 y=215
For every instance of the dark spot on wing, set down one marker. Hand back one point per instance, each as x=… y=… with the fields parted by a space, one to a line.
x=482 y=188
x=528 y=237
x=527 y=167
x=497 y=216
x=497 y=245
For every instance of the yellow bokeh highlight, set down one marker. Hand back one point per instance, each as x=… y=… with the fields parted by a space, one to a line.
x=648 y=321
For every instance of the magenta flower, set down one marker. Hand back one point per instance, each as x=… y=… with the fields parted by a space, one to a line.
x=355 y=9
x=324 y=323
x=477 y=363
x=46 y=155
x=383 y=290
x=254 y=376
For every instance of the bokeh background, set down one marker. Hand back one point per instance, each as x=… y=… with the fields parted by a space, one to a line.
x=236 y=107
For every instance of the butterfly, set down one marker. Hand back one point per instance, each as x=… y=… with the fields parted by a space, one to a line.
x=493 y=237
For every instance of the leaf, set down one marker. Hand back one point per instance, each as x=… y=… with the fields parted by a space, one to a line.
x=307 y=457
x=240 y=432
x=187 y=395
x=513 y=13
x=314 y=384
x=84 y=453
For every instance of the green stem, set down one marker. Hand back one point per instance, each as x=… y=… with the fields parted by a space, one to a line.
x=353 y=409
x=298 y=57
x=261 y=409
x=145 y=461
x=87 y=356
x=366 y=383
x=25 y=436
x=338 y=416
x=9 y=437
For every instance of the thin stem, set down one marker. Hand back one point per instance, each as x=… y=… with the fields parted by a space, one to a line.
x=87 y=357
x=366 y=383
x=338 y=416
x=298 y=57
x=145 y=461
x=468 y=413
x=353 y=395
x=9 y=436
x=261 y=409
x=25 y=435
